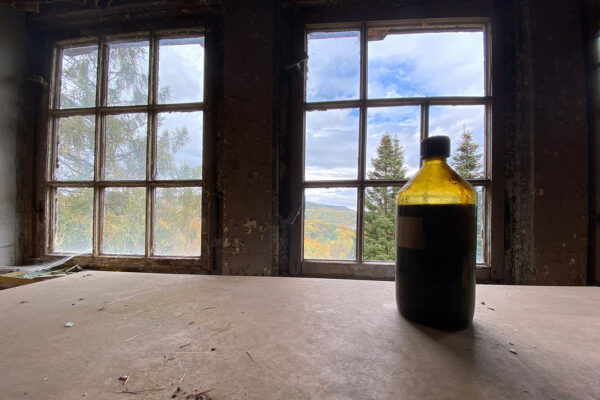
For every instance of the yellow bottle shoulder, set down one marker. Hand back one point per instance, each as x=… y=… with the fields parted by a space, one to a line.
x=437 y=183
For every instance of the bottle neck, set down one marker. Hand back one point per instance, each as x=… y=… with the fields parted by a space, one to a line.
x=433 y=161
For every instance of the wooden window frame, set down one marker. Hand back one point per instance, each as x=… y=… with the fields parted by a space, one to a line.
x=493 y=182
x=203 y=262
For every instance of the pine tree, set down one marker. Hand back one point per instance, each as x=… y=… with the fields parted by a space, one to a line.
x=380 y=202
x=466 y=160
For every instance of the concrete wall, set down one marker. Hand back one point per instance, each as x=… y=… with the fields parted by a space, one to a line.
x=246 y=153
x=13 y=59
x=547 y=177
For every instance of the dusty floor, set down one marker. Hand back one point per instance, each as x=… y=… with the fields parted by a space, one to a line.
x=288 y=338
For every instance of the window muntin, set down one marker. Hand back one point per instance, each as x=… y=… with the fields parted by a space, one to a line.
x=123 y=132
x=411 y=85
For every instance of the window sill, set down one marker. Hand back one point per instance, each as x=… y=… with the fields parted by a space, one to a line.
x=194 y=265
x=368 y=270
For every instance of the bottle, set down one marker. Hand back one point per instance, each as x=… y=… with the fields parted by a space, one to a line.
x=436 y=243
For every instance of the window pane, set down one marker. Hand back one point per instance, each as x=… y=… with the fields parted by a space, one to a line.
x=128 y=73
x=330 y=224
x=331 y=142
x=465 y=125
x=74 y=210
x=179 y=147
x=333 y=66
x=76 y=138
x=78 y=77
x=178 y=221
x=425 y=64
x=124 y=221
x=480 y=225
x=393 y=142
x=380 y=223
x=181 y=70
x=125 y=146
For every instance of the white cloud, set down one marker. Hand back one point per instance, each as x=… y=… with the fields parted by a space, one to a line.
x=331 y=144
x=333 y=68
x=431 y=64
x=449 y=120
x=427 y=64
x=181 y=69
x=191 y=153
x=332 y=196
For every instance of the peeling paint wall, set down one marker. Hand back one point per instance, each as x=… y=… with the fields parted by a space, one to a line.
x=560 y=141
x=13 y=50
x=246 y=154
x=547 y=182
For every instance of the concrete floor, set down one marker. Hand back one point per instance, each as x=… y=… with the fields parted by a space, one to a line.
x=288 y=338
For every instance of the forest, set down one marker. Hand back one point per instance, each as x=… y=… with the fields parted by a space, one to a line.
x=330 y=231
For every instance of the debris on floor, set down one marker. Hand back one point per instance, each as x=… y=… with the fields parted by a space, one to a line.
x=12 y=276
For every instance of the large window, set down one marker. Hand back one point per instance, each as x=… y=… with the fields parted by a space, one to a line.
x=125 y=170
x=372 y=93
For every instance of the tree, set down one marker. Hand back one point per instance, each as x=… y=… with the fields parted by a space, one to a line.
x=380 y=202
x=177 y=210
x=467 y=162
x=466 y=159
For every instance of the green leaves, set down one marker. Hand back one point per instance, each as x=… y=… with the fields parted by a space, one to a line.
x=466 y=159
x=380 y=202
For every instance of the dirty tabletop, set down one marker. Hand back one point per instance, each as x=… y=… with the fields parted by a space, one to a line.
x=288 y=338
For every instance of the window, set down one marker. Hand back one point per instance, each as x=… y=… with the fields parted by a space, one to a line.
x=126 y=169
x=372 y=92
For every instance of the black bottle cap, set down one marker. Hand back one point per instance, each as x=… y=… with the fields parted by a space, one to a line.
x=435 y=146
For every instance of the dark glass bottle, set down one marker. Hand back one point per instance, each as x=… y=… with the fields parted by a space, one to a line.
x=436 y=224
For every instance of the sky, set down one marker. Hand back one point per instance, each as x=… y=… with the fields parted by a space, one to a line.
x=399 y=66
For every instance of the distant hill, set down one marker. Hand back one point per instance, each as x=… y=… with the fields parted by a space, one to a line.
x=329 y=232
x=335 y=215
x=309 y=205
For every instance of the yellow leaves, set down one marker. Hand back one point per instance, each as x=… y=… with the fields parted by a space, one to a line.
x=325 y=240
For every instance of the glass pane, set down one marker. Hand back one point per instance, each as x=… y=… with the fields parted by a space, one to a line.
x=179 y=147
x=330 y=224
x=74 y=222
x=124 y=221
x=76 y=138
x=178 y=221
x=128 y=73
x=425 y=64
x=333 y=66
x=78 y=77
x=331 y=145
x=480 y=225
x=465 y=125
x=181 y=70
x=393 y=142
x=125 y=146
x=380 y=223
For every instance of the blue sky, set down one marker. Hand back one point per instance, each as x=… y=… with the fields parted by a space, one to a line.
x=400 y=65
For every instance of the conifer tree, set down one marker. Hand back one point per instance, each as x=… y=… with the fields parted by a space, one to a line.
x=380 y=202
x=466 y=159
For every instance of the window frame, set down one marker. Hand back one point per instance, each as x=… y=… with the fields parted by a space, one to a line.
x=492 y=181
x=151 y=109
